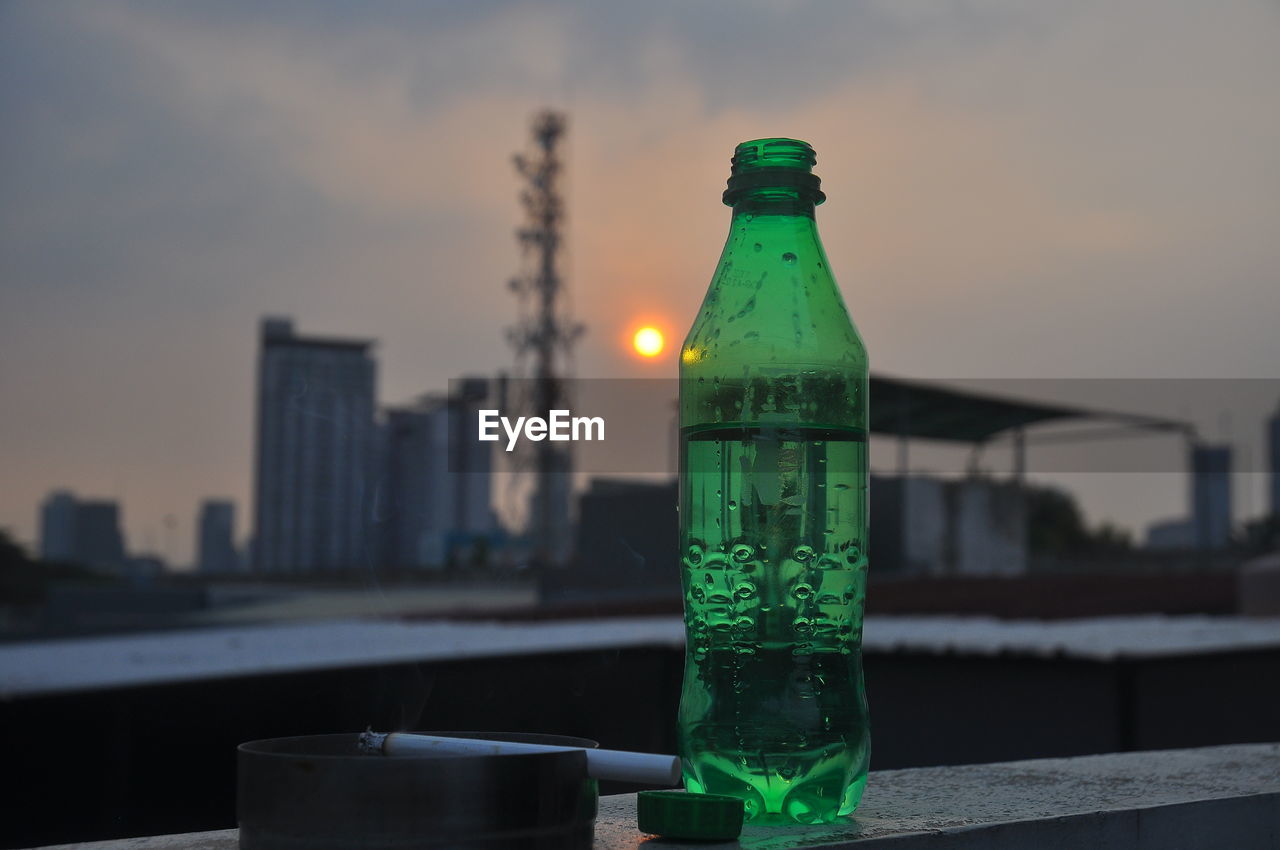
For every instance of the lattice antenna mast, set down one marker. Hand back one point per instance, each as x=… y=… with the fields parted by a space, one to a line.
x=545 y=333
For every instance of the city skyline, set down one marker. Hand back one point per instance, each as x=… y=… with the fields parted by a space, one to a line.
x=998 y=207
x=392 y=501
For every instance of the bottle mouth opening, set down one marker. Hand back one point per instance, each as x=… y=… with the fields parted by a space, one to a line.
x=773 y=153
x=780 y=164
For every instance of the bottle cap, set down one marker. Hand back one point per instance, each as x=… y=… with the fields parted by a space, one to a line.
x=680 y=814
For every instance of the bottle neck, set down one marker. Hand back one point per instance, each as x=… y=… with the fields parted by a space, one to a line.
x=772 y=202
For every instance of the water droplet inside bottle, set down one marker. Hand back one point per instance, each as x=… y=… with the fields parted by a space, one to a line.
x=758 y=246
x=745 y=590
x=695 y=555
x=802 y=591
x=789 y=258
x=733 y=505
x=742 y=552
x=802 y=553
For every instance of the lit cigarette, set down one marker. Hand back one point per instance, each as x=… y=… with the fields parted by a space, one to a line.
x=617 y=765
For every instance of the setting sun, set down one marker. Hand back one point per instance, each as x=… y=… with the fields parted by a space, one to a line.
x=648 y=342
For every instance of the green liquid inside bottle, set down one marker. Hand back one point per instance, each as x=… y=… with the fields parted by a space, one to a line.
x=773 y=510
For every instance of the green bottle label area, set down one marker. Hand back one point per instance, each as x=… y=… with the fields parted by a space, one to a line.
x=773 y=510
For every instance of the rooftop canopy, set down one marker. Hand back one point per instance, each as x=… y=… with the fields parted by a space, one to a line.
x=935 y=412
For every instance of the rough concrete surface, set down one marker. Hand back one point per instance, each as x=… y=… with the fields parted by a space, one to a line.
x=1216 y=797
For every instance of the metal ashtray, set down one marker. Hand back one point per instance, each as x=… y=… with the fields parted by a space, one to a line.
x=321 y=792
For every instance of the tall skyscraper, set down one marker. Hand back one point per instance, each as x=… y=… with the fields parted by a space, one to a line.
x=315 y=441
x=436 y=490
x=58 y=526
x=1273 y=447
x=217 y=548
x=1210 y=495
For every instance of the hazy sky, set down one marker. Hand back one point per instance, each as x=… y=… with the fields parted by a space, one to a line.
x=1086 y=189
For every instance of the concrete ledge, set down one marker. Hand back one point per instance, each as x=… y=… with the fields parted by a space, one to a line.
x=1216 y=797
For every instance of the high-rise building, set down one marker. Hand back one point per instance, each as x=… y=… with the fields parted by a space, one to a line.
x=436 y=487
x=315 y=443
x=627 y=535
x=217 y=548
x=81 y=532
x=99 y=541
x=410 y=460
x=1273 y=447
x=925 y=525
x=1210 y=495
x=58 y=526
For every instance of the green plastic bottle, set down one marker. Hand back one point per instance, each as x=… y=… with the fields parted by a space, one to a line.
x=773 y=510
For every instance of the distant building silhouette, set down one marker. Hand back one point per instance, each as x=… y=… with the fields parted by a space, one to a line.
x=81 y=532
x=98 y=540
x=929 y=526
x=58 y=526
x=216 y=545
x=1210 y=495
x=628 y=535
x=315 y=442
x=1273 y=447
x=551 y=499
x=1171 y=534
x=435 y=490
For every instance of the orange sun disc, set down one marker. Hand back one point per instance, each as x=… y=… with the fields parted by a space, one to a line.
x=648 y=342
